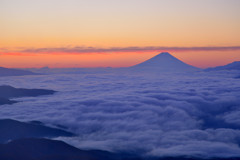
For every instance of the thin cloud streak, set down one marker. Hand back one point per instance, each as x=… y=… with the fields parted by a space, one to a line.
x=83 y=50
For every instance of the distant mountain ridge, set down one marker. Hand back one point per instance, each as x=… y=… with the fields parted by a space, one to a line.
x=231 y=66
x=14 y=72
x=164 y=62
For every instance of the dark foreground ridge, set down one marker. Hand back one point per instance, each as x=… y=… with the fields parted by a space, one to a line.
x=7 y=92
x=26 y=141
x=14 y=72
x=12 y=129
x=45 y=149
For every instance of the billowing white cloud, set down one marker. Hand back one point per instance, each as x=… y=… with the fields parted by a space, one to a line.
x=193 y=114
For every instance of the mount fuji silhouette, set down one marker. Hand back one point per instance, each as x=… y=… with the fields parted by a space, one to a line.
x=164 y=62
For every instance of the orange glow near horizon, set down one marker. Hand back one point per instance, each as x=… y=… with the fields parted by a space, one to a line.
x=62 y=60
x=70 y=60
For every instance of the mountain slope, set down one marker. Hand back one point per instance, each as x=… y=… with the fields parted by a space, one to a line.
x=164 y=62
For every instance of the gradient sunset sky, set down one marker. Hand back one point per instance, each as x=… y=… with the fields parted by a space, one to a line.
x=117 y=33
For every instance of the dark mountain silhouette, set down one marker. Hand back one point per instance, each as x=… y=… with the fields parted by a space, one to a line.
x=14 y=72
x=232 y=66
x=39 y=149
x=164 y=62
x=11 y=92
x=6 y=101
x=12 y=129
x=7 y=92
x=45 y=149
x=24 y=141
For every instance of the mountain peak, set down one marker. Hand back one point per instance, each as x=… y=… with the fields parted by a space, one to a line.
x=164 y=62
x=164 y=54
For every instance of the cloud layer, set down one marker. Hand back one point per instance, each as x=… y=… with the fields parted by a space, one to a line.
x=83 y=50
x=155 y=114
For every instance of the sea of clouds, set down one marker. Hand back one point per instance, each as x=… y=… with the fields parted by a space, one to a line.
x=196 y=114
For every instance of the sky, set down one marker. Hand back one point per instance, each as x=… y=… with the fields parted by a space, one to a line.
x=117 y=33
